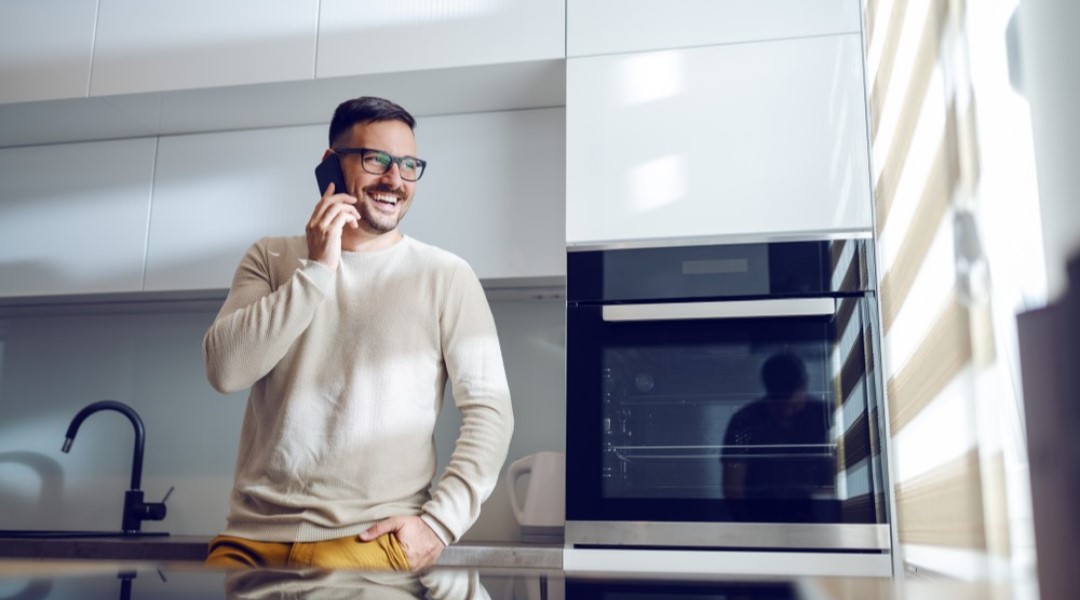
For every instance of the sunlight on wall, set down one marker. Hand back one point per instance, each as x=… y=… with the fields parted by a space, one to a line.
x=657 y=183
x=650 y=77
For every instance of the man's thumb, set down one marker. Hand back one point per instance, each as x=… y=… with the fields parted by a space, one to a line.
x=384 y=526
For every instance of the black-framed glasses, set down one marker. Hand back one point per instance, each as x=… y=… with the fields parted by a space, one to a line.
x=378 y=162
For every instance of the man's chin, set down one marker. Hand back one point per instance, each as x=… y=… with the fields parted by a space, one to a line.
x=377 y=227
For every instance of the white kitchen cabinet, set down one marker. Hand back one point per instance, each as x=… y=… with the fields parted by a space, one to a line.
x=492 y=194
x=493 y=191
x=217 y=193
x=181 y=44
x=379 y=37
x=611 y=26
x=73 y=217
x=754 y=138
x=45 y=48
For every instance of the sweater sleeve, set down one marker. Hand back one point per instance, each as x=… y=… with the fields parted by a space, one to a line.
x=475 y=369
x=258 y=324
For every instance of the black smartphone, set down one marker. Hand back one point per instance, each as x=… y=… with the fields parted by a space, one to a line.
x=329 y=171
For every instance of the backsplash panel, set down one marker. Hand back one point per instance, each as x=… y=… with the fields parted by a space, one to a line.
x=51 y=366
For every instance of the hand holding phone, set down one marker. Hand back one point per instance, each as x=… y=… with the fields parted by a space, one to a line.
x=332 y=214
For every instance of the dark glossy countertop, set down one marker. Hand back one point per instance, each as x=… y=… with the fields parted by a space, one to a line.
x=59 y=580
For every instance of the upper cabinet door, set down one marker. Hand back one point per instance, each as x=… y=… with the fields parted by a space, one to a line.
x=181 y=44
x=492 y=194
x=215 y=194
x=45 y=48
x=493 y=191
x=610 y=26
x=751 y=138
x=73 y=217
x=375 y=37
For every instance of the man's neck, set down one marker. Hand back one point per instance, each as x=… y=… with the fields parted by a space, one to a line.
x=363 y=241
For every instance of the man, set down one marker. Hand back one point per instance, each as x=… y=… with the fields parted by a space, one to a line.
x=778 y=456
x=347 y=336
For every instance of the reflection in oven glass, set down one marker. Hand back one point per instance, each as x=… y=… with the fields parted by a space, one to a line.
x=747 y=423
x=777 y=449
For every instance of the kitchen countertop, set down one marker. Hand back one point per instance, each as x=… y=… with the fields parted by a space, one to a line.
x=193 y=548
x=56 y=580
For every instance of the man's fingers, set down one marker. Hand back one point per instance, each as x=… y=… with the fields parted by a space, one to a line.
x=328 y=217
x=339 y=223
x=320 y=206
x=329 y=200
x=372 y=532
x=384 y=526
x=332 y=221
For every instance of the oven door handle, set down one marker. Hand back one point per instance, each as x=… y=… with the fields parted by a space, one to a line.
x=734 y=309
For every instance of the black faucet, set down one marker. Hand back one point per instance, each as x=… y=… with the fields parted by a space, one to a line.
x=135 y=510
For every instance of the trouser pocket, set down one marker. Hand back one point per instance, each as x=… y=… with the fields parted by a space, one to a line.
x=394 y=552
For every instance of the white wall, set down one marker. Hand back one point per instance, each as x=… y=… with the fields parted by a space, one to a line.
x=51 y=366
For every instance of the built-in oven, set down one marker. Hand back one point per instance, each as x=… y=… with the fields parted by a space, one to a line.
x=725 y=397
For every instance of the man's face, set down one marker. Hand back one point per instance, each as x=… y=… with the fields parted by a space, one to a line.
x=383 y=199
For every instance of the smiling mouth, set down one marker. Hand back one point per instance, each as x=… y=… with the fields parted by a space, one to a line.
x=385 y=198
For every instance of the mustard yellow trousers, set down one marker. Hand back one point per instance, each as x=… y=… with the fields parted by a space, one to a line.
x=383 y=553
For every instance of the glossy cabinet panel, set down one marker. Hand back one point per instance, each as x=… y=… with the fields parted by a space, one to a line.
x=73 y=217
x=215 y=194
x=610 y=26
x=748 y=138
x=378 y=37
x=45 y=48
x=493 y=191
x=173 y=44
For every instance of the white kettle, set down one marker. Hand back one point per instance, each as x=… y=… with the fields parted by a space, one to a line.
x=542 y=515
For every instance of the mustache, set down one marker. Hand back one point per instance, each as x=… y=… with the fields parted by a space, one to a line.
x=380 y=188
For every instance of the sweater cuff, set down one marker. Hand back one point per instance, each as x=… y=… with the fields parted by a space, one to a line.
x=318 y=273
x=440 y=530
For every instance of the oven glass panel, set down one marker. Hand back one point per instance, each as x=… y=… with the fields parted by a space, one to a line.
x=752 y=419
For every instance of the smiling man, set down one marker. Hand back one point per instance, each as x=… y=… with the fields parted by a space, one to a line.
x=347 y=336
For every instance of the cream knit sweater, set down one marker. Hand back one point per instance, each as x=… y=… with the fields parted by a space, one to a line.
x=347 y=372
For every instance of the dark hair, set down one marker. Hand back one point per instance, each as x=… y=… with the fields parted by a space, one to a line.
x=783 y=374
x=366 y=109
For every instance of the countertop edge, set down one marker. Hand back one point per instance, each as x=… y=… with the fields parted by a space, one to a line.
x=193 y=548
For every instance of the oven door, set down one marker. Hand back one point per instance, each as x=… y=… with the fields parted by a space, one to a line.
x=725 y=424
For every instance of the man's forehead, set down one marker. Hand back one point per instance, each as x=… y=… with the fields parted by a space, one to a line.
x=395 y=131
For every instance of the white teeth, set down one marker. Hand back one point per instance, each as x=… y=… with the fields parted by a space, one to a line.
x=385 y=198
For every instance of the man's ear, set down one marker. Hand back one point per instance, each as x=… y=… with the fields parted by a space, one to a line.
x=327 y=153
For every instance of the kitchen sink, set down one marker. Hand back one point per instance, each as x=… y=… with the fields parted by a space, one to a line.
x=46 y=534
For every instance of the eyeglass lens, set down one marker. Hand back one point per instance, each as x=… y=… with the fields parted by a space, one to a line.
x=377 y=163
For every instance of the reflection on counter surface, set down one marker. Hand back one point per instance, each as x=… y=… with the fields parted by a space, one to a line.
x=59 y=580
x=149 y=581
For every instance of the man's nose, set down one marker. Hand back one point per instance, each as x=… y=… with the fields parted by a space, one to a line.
x=392 y=176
